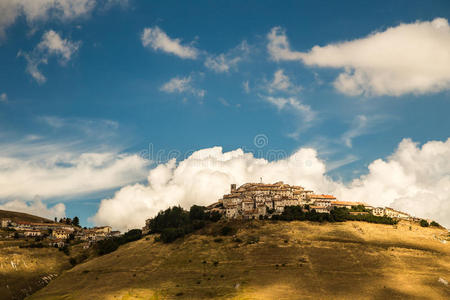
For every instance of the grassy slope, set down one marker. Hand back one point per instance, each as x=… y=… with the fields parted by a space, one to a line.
x=22 y=269
x=17 y=216
x=340 y=261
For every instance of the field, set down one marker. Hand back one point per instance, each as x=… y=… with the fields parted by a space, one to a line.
x=265 y=260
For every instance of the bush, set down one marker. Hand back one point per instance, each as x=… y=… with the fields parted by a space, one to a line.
x=436 y=224
x=73 y=261
x=424 y=223
x=227 y=230
x=337 y=214
x=110 y=245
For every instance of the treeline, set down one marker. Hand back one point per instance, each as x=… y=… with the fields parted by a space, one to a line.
x=111 y=244
x=175 y=222
x=337 y=214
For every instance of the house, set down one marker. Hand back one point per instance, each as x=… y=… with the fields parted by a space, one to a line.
x=5 y=223
x=378 y=211
x=347 y=204
x=61 y=234
x=321 y=209
x=32 y=233
x=321 y=200
x=390 y=212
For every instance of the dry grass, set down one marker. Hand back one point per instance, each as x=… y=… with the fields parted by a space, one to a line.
x=296 y=260
x=22 y=269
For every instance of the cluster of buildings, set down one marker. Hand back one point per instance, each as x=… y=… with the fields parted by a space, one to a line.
x=57 y=233
x=252 y=200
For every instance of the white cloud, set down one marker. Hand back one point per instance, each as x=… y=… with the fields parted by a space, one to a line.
x=3 y=97
x=50 y=45
x=182 y=85
x=278 y=46
x=408 y=58
x=201 y=179
x=225 y=62
x=414 y=179
x=35 y=207
x=246 y=86
x=280 y=92
x=358 y=128
x=155 y=38
x=80 y=162
x=220 y=63
x=36 y=11
x=66 y=174
x=53 y=44
x=281 y=83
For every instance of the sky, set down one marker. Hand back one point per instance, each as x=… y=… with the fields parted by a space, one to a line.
x=113 y=110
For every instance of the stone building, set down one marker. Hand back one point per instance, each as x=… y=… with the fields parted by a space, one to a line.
x=252 y=200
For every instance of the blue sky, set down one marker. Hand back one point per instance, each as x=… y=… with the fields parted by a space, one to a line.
x=108 y=89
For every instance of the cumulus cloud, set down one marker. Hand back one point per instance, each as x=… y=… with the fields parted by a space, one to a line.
x=414 y=179
x=35 y=207
x=155 y=38
x=225 y=62
x=408 y=58
x=181 y=85
x=50 y=45
x=36 y=11
x=202 y=178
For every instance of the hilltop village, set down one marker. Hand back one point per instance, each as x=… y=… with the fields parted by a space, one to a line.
x=258 y=200
x=57 y=234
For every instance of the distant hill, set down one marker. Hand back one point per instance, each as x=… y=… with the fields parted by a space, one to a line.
x=18 y=216
x=270 y=260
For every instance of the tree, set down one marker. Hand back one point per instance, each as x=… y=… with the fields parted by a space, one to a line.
x=197 y=212
x=76 y=221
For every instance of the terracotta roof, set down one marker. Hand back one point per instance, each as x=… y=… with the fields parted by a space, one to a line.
x=322 y=196
x=346 y=203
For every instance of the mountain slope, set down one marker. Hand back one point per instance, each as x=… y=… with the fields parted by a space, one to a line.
x=18 y=216
x=270 y=260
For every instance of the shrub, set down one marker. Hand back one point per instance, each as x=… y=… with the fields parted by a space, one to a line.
x=73 y=261
x=436 y=224
x=215 y=216
x=227 y=230
x=424 y=223
x=110 y=245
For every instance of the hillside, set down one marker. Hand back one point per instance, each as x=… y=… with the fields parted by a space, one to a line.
x=25 y=270
x=17 y=216
x=270 y=260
